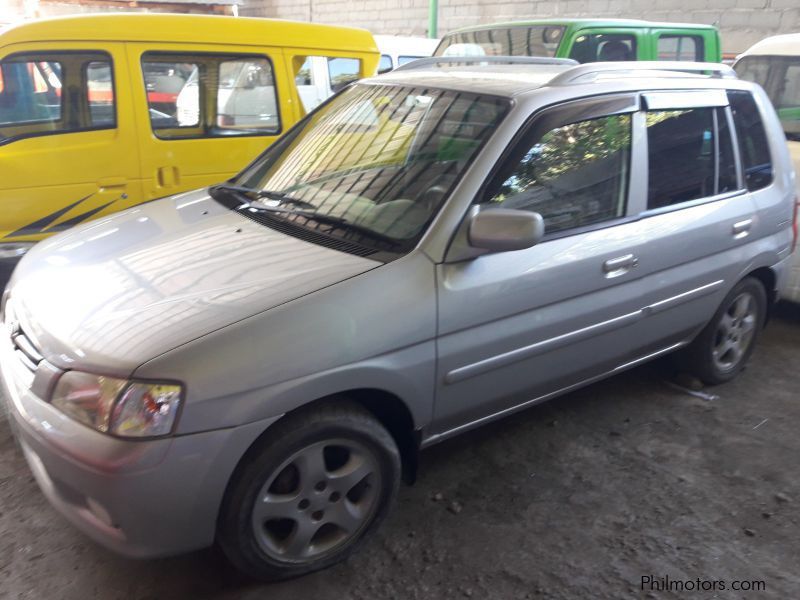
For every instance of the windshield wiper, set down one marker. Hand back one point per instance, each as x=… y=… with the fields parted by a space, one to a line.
x=328 y=219
x=282 y=198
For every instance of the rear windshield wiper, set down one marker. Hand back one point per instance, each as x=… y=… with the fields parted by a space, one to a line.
x=282 y=198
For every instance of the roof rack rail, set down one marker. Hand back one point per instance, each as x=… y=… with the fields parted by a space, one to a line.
x=424 y=63
x=576 y=74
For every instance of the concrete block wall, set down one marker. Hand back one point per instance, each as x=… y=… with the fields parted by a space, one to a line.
x=741 y=22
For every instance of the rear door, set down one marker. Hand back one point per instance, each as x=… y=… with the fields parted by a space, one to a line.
x=697 y=216
x=68 y=145
x=203 y=115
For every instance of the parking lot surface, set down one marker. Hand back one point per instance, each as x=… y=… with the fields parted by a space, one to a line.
x=580 y=497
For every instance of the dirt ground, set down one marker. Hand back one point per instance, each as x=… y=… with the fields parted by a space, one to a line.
x=577 y=498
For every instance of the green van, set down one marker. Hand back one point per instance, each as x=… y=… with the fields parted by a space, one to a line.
x=587 y=40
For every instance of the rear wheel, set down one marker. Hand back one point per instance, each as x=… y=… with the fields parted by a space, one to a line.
x=721 y=350
x=309 y=496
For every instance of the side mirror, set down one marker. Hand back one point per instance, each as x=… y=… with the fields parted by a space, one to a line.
x=502 y=229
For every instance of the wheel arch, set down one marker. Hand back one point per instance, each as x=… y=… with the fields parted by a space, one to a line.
x=769 y=280
x=386 y=407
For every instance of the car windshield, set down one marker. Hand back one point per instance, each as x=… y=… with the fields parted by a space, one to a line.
x=780 y=78
x=372 y=165
x=519 y=40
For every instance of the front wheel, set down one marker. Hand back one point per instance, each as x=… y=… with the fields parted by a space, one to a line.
x=310 y=494
x=721 y=350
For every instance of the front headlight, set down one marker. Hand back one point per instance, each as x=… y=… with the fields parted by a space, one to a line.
x=117 y=406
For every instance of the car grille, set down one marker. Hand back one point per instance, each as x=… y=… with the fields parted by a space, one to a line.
x=25 y=350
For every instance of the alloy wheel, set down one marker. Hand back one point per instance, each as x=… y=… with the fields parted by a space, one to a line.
x=320 y=498
x=734 y=332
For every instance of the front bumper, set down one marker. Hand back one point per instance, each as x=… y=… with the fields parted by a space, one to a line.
x=141 y=499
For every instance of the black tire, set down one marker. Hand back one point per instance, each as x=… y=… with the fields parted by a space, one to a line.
x=337 y=431
x=703 y=357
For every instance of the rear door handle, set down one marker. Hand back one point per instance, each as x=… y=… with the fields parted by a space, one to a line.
x=614 y=267
x=742 y=228
x=168 y=176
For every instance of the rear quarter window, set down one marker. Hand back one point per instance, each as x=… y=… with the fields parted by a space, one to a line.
x=753 y=144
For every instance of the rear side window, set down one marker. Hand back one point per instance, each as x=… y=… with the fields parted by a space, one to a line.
x=520 y=40
x=753 y=146
x=55 y=93
x=343 y=71
x=690 y=155
x=404 y=60
x=780 y=78
x=318 y=77
x=602 y=47
x=385 y=65
x=680 y=47
x=575 y=175
x=209 y=95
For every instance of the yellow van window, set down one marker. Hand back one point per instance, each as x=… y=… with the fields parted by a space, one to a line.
x=318 y=77
x=207 y=95
x=343 y=71
x=100 y=84
x=54 y=93
x=246 y=99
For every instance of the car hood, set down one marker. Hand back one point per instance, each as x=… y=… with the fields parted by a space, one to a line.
x=117 y=292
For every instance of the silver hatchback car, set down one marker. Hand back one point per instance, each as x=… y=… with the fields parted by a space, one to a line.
x=259 y=362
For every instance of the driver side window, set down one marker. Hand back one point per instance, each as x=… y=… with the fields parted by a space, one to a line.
x=574 y=175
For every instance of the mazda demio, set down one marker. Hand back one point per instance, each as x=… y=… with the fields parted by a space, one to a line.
x=257 y=363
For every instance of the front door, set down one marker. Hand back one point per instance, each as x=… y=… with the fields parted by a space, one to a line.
x=68 y=149
x=515 y=327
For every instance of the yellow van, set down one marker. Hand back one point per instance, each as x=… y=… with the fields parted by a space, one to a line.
x=102 y=112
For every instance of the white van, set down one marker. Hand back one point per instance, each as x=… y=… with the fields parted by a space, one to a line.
x=774 y=63
x=397 y=50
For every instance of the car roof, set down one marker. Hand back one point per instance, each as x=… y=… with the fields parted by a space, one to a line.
x=516 y=80
x=584 y=22
x=498 y=80
x=215 y=29
x=779 y=45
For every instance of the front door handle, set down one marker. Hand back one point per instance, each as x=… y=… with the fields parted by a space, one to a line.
x=112 y=182
x=742 y=228
x=614 y=267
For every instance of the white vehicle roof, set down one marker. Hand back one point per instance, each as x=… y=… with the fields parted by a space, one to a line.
x=402 y=45
x=778 y=45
